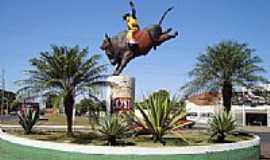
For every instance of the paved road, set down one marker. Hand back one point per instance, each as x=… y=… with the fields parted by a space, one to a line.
x=264 y=133
x=265 y=145
x=7 y=118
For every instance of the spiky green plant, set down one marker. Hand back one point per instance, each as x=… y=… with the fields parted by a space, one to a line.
x=28 y=117
x=114 y=127
x=221 y=125
x=159 y=116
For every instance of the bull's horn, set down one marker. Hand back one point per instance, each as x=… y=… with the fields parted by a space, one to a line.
x=164 y=15
x=108 y=38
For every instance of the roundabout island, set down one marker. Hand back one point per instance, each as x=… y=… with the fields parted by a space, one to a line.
x=16 y=148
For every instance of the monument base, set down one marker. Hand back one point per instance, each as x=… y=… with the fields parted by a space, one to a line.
x=121 y=94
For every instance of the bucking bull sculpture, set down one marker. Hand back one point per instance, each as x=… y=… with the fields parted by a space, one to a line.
x=119 y=52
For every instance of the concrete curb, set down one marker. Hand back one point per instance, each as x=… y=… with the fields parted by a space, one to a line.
x=130 y=150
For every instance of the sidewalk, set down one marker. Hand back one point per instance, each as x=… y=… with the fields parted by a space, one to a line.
x=255 y=129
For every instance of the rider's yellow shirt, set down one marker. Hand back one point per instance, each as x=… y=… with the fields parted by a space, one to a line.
x=132 y=23
x=132 y=28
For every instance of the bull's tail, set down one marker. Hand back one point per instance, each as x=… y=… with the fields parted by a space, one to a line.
x=164 y=15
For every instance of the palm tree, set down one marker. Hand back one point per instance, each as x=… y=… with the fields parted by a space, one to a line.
x=222 y=66
x=66 y=72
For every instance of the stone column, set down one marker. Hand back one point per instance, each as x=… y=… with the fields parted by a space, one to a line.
x=121 y=95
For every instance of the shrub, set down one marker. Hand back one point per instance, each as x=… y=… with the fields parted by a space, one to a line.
x=113 y=127
x=15 y=105
x=221 y=125
x=28 y=117
x=160 y=115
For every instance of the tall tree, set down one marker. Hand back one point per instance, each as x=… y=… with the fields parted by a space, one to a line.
x=66 y=72
x=224 y=65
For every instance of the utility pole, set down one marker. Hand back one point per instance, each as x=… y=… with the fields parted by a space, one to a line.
x=3 y=92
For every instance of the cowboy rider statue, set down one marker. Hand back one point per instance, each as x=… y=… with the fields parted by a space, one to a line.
x=132 y=25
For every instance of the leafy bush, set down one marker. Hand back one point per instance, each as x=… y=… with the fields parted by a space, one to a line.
x=91 y=107
x=15 y=105
x=160 y=115
x=113 y=127
x=86 y=105
x=28 y=117
x=221 y=125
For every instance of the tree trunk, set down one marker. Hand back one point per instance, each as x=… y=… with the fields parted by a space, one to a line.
x=69 y=104
x=111 y=140
x=220 y=138
x=227 y=96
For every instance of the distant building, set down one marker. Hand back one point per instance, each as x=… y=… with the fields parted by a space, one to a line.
x=201 y=107
x=204 y=99
x=9 y=97
x=251 y=111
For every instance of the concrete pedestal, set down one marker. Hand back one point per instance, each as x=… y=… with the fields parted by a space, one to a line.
x=121 y=94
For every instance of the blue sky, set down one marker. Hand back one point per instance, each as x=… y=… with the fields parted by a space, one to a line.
x=30 y=26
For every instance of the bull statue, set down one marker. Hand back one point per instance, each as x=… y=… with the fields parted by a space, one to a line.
x=120 y=53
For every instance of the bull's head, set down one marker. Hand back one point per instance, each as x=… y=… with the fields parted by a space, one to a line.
x=155 y=31
x=107 y=43
x=107 y=46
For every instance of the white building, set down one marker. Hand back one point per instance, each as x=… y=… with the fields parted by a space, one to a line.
x=200 y=113
x=201 y=108
x=248 y=116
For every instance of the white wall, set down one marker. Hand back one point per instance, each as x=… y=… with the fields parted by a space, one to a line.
x=237 y=112
x=202 y=112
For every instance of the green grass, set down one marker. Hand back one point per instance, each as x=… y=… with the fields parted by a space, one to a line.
x=61 y=120
x=184 y=138
x=55 y=119
x=10 y=151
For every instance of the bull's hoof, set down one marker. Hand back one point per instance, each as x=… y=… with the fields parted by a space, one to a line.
x=116 y=74
x=175 y=34
x=113 y=62
x=168 y=30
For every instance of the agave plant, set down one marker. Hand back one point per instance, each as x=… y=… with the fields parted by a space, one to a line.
x=28 y=117
x=160 y=115
x=114 y=127
x=221 y=125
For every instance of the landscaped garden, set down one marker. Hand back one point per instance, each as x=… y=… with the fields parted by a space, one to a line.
x=187 y=137
x=158 y=121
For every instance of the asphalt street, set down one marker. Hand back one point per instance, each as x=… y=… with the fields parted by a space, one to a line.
x=265 y=145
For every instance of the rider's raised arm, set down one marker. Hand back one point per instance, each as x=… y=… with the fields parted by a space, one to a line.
x=133 y=10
